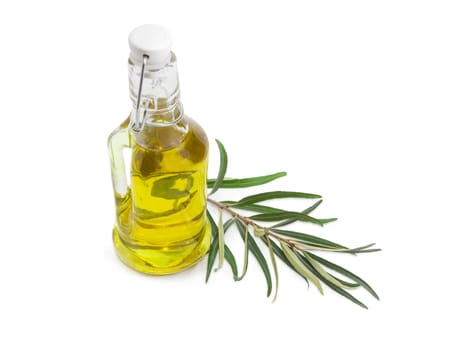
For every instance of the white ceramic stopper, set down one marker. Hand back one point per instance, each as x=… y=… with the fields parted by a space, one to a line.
x=152 y=40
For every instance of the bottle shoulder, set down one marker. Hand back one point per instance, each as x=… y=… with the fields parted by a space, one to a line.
x=186 y=140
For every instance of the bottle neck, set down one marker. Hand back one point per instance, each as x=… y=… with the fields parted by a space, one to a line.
x=160 y=97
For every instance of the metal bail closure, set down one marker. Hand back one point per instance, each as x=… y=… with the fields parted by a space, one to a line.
x=138 y=117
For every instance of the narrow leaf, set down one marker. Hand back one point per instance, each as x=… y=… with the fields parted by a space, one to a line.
x=344 y=293
x=231 y=261
x=214 y=228
x=346 y=283
x=327 y=221
x=245 y=254
x=279 y=253
x=222 y=167
x=256 y=208
x=254 y=249
x=370 y=250
x=213 y=247
x=228 y=224
x=274 y=195
x=339 y=290
x=285 y=215
x=274 y=265
x=363 y=249
x=211 y=258
x=345 y=273
x=306 y=211
x=358 y=250
x=246 y=182
x=303 y=246
x=312 y=207
x=220 y=240
x=300 y=267
x=314 y=240
x=322 y=271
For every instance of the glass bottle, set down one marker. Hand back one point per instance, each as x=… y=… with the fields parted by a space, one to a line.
x=159 y=165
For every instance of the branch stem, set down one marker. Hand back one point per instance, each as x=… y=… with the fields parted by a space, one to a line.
x=248 y=222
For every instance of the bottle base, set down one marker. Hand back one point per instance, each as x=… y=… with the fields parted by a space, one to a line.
x=164 y=260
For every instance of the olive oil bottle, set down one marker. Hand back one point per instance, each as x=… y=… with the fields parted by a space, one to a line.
x=159 y=165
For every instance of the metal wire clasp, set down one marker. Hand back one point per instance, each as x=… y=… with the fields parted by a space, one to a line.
x=138 y=118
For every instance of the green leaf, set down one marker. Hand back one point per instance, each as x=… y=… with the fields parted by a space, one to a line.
x=345 y=273
x=255 y=208
x=220 y=240
x=300 y=267
x=306 y=211
x=314 y=240
x=312 y=207
x=285 y=215
x=211 y=258
x=358 y=250
x=279 y=253
x=213 y=247
x=254 y=249
x=363 y=249
x=245 y=253
x=370 y=250
x=246 y=182
x=231 y=261
x=214 y=228
x=326 y=221
x=322 y=271
x=338 y=290
x=346 y=283
x=273 y=195
x=228 y=224
x=222 y=167
x=304 y=246
x=274 y=265
x=344 y=293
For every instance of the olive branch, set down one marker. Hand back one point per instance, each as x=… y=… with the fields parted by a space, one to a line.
x=291 y=247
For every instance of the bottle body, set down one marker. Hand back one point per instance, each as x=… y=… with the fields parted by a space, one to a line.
x=159 y=166
x=161 y=225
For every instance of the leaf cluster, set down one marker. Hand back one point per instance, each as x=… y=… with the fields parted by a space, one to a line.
x=293 y=248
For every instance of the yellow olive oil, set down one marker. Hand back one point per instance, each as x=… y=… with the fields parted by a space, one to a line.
x=161 y=225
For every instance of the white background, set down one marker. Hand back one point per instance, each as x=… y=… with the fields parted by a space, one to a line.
x=355 y=99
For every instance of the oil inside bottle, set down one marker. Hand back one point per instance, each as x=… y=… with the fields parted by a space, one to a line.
x=161 y=224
